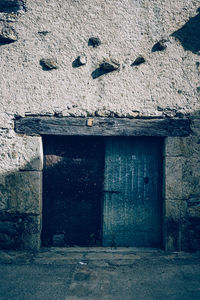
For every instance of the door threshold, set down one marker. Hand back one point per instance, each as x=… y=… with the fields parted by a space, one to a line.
x=102 y=249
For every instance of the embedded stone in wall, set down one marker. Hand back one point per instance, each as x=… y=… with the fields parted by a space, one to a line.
x=21 y=192
x=31 y=156
x=19 y=231
x=139 y=60
x=102 y=113
x=10 y=231
x=187 y=146
x=181 y=177
x=105 y=68
x=194 y=207
x=7 y=228
x=173 y=177
x=109 y=66
x=20 y=152
x=7 y=241
x=191 y=178
x=43 y=33
x=193 y=233
x=193 y=223
x=8 y=35
x=176 y=146
x=175 y=223
x=31 y=230
x=159 y=46
x=94 y=42
x=8 y=6
x=81 y=60
x=48 y=64
x=133 y=114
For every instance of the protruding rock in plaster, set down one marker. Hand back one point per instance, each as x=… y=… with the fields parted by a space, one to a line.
x=9 y=17
x=8 y=6
x=48 y=64
x=168 y=111
x=65 y=113
x=102 y=113
x=81 y=60
x=139 y=60
x=133 y=114
x=8 y=35
x=44 y=32
x=109 y=66
x=159 y=46
x=94 y=42
x=105 y=67
x=42 y=113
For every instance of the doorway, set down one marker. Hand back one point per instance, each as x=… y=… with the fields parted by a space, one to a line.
x=72 y=191
x=102 y=191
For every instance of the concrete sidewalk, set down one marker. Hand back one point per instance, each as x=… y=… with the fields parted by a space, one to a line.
x=99 y=274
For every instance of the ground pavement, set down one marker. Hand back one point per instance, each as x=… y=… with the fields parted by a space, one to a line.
x=99 y=274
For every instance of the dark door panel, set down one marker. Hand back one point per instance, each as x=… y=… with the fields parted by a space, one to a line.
x=72 y=191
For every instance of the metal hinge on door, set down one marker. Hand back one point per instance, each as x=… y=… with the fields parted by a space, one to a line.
x=112 y=192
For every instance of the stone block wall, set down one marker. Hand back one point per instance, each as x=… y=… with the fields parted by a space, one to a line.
x=182 y=191
x=20 y=190
x=87 y=58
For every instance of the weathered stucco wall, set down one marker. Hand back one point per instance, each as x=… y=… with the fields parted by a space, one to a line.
x=61 y=29
x=163 y=84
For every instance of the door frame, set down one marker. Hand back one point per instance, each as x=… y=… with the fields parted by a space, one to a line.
x=170 y=129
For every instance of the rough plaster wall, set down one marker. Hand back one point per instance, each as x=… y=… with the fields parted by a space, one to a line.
x=167 y=84
x=127 y=29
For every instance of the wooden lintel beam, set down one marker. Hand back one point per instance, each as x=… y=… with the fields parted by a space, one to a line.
x=102 y=126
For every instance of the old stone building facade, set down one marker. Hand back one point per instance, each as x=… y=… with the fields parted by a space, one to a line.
x=135 y=65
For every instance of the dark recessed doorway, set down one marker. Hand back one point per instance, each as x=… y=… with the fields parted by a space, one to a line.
x=72 y=191
x=102 y=191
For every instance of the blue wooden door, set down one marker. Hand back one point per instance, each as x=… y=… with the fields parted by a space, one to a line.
x=132 y=209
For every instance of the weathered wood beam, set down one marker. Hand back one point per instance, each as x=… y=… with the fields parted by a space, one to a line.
x=102 y=126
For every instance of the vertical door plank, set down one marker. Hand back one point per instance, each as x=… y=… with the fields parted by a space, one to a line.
x=132 y=213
